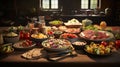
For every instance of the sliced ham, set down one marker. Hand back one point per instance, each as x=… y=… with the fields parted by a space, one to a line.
x=94 y=35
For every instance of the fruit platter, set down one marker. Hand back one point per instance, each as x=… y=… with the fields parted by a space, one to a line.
x=26 y=44
x=96 y=35
x=98 y=49
x=56 y=44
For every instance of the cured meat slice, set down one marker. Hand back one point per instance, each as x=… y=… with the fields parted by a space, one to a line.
x=94 y=35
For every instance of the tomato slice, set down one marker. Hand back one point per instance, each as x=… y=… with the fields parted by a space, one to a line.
x=104 y=43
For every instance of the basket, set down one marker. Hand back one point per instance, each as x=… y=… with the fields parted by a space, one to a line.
x=12 y=39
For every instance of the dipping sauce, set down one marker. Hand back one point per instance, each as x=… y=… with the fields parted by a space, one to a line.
x=79 y=43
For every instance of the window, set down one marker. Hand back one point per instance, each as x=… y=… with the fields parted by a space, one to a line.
x=89 y=4
x=54 y=4
x=49 y=4
x=84 y=4
x=93 y=4
x=45 y=4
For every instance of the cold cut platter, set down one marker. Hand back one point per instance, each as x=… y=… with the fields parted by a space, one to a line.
x=96 y=35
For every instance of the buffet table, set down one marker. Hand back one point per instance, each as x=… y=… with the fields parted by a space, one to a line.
x=80 y=59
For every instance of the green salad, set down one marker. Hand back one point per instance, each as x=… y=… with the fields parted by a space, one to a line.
x=90 y=27
x=56 y=22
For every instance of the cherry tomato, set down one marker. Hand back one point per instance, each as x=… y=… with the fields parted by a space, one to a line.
x=50 y=33
x=104 y=43
x=117 y=42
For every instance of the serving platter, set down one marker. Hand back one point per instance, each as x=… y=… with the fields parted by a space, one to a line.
x=73 y=30
x=56 y=23
x=23 y=45
x=98 y=49
x=108 y=54
x=96 y=35
x=56 y=44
